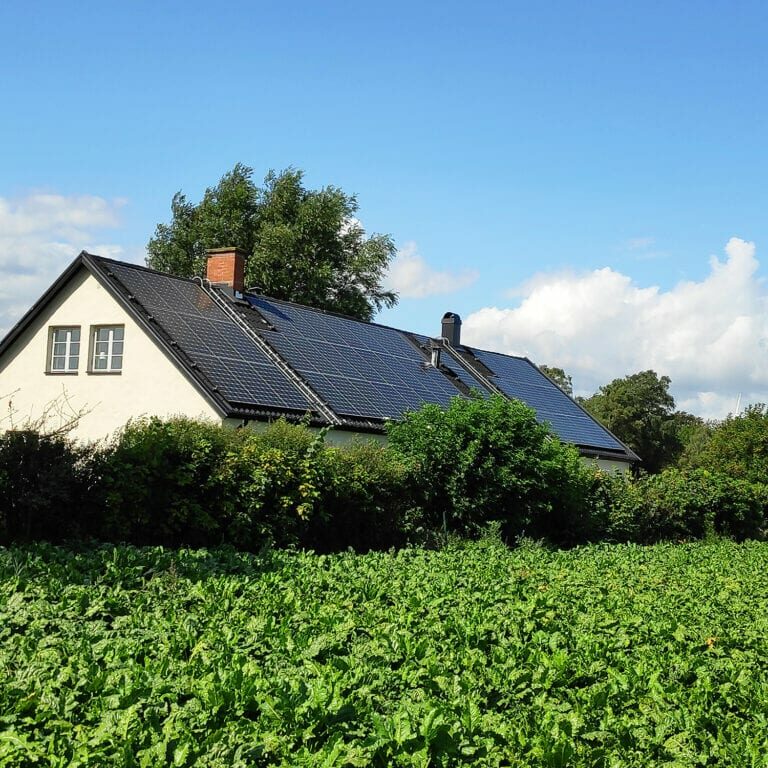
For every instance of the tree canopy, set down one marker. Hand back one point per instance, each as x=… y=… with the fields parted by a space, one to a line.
x=639 y=410
x=303 y=245
x=737 y=446
x=559 y=376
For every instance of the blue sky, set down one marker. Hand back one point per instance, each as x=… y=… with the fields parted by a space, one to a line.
x=542 y=167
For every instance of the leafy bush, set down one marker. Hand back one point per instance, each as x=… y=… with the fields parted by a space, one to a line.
x=47 y=487
x=167 y=482
x=482 y=460
x=185 y=482
x=367 y=501
x=737 y=447
x=279 y=476
x=614 y=502
x=680 y=505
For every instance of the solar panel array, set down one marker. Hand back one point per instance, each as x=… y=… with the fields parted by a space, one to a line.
x=361 y=370
x=519 y=378
x=231 y=360
x=457 y=370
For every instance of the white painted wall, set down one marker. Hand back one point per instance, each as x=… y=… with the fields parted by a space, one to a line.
x=149 y=384
x=607 y=465
x=337 y=437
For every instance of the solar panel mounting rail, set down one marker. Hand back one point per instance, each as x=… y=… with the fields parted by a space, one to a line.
x=471 y=369
x=322 y=408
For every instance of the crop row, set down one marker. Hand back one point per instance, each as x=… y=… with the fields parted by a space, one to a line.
x=474 y=654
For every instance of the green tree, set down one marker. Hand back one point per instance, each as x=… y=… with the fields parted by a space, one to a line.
x=559 y=376
x=490 y=460
x=738 y=446
x=303 y=245
x=639 y=410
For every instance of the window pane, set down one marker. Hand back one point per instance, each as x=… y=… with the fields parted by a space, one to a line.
x=117 y=333
x=60 y=335
x=74 y=348
x=102 y=334
x=58 y=364
x=117 y=362
x=75 y=334
x=117 y=348
x=73 y=362
x=100 y=364
x=59 y=348
x=102 y=347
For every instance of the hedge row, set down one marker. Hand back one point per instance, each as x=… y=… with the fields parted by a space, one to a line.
x=182 y=482
x=457 y=470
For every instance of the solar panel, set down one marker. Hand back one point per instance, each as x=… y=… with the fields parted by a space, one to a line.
x=519 y=378
x=223 y=351
x=361 y=370
x=447 y=362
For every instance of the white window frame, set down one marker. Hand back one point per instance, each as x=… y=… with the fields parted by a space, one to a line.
x=72 y=349
x=108 y=350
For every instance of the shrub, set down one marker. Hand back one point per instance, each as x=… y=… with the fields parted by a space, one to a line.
x=167 y=483
x=682 y=505
x=367 y=501
x=737 y=447
x=614 y=504
x=47 y=487
x=483 y=460
x=279 y=475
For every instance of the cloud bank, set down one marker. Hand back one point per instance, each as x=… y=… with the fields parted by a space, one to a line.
x=39 y=235
x=411 y=276
x=710 y=337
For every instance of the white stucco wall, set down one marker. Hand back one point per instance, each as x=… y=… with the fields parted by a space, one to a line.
x=337 y=437
x=607 y=465
x=149 y=384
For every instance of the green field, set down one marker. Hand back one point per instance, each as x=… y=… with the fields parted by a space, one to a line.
x=472 y=655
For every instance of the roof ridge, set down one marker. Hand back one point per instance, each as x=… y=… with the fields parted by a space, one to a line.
x=192 y=279
x=139 y=267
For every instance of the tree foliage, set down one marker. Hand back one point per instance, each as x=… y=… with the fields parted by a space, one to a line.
x=737 y=447
x=639 y=410
x=490 y=460
x=303 y=245
x=559 y=376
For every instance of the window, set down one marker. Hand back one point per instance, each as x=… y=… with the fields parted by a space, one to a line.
x=107 y=348
x=63 y=350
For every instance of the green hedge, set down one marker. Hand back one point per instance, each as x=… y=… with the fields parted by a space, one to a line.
x=48 y=487
x=452 y=471
x=677 y=505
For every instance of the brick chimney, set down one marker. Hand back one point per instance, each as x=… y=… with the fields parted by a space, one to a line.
x=226 y=266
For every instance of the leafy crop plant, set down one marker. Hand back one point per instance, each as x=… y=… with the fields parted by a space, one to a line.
x=472 y=655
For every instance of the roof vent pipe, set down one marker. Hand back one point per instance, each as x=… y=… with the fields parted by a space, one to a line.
x=434 y=351
x=451 y=330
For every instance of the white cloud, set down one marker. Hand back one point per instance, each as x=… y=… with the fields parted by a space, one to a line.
x=39 y=235
x=413 y=278
x=709 y=337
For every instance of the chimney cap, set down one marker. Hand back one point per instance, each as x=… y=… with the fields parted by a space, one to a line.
x=230 y=249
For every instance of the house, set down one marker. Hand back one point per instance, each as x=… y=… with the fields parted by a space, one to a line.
x=110 y=341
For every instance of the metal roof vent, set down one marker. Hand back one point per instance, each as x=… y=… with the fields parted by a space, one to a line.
x=435 y=347
x=451 y=330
